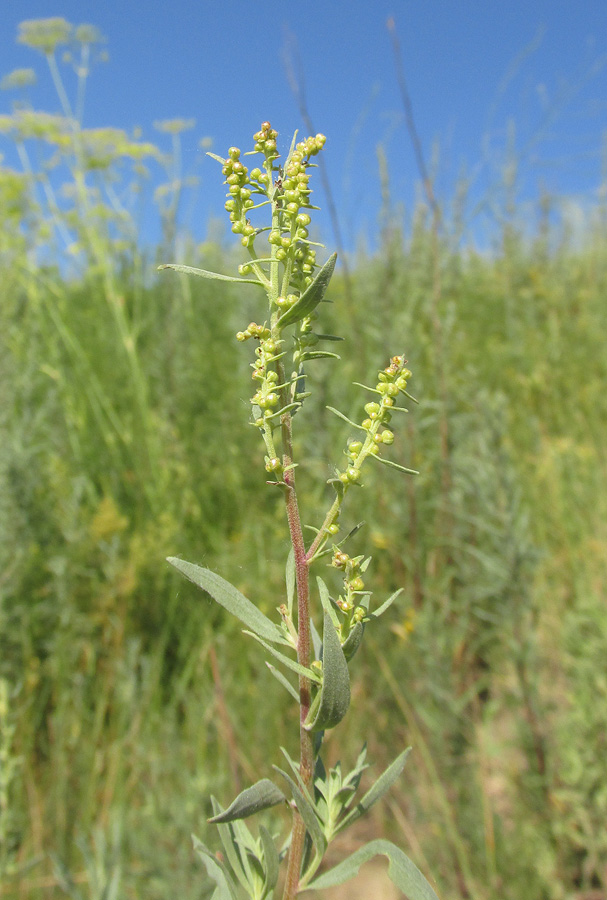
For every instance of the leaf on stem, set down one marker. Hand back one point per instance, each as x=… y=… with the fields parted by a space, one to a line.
x=217 y=872
x=231 y=599
x=384 y=606
x=376 y=791
x=353 y=641
x=284 y=681
x=403 y=873
x=317 y=354
x=271 y=859
x=331 y=703
x=312 y=296
x=393 y=465
x=202 y=273
x=307 y=812
x=286 y=660
x=260 y=795
x=340 y=415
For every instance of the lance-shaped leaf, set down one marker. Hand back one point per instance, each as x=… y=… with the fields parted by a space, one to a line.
x=307 y=812
x=353 y=641
x=271 y=859
x=284 y=681
x=312 y=296
x=403 y=873
x=260 y=795
x=340 y=415
x=203 y=273
x=317 y=354
x=331 y=703
x=225 y=890
x=235 y=854
x=376 y=791
x=393 y=465
x=231 y=599
x=384 y=606
x=287 y=661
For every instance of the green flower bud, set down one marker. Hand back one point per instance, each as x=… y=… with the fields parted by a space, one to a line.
x=281 y=254
x=230 y=205
x=353 y=474
x=387 y=437
x=273 y=465
x=333 y=529
x=274 y=237
x=372 y=410
x=357 y=584
x=255 y=174
x=303 y=219
x=355 y=446
x=234 y=153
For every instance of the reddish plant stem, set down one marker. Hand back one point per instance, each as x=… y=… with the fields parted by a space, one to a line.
x=306 y=746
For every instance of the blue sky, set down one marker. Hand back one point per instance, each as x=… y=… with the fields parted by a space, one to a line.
x=472 y=67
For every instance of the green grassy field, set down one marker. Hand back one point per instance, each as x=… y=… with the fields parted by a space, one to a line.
x=125 y=697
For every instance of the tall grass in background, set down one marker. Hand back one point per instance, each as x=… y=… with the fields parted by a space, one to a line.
x=112 y=723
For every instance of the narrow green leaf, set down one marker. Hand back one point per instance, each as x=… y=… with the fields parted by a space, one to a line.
x=219 y=159
x=317 y=354
x=366 y=387
x=215 y=276
x=316 y=641
x=270 y=858
x=403 y=873
x=393 y=465
x=260 y=795
x=353 y=641
x=384 y=606
x=284 y=681
x=335 y=689
x=325 y=600
x=217 y=872
x=329 y=337
x=286 y=660
x=231 y=599
x=307 y=812
x=231 y=849
x=376 y=791
x=340 y=415
x=312 y=296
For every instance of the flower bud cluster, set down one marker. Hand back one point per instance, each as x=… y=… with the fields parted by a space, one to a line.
x=353 y=583
x=391 y=382
x=239 y=195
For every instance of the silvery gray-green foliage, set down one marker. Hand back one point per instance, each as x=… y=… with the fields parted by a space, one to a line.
x=323 y=803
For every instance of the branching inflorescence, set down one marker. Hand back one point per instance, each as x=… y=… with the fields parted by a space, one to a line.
x=322 y=802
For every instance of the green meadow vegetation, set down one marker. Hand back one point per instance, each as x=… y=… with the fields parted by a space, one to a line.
x=127 y=698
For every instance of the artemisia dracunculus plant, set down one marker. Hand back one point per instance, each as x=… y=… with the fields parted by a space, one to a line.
x=322 y=803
